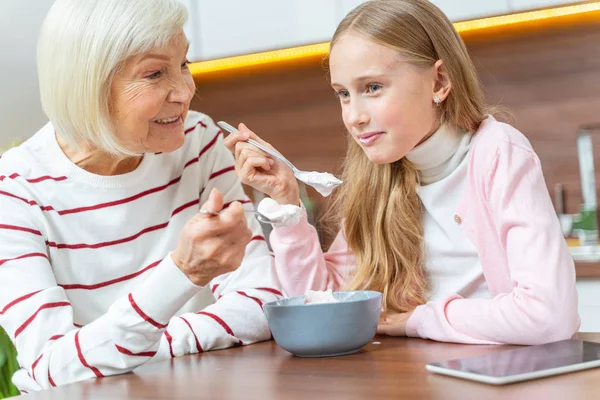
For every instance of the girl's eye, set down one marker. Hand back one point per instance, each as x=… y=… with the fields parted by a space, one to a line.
x=373 y=87
x=154 y=75
x=343 y=94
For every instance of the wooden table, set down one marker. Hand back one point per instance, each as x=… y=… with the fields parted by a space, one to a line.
x=393 y=369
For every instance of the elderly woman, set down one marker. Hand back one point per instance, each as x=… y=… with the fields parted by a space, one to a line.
x=105 y=261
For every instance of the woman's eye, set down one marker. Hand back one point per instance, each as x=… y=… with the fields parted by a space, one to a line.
x=185 y=64
x=154 y=75
x=373 y=87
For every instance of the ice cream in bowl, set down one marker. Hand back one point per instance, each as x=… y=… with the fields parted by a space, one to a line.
x=324 y=324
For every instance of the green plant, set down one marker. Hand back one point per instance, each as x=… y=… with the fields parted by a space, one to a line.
x=8 y=365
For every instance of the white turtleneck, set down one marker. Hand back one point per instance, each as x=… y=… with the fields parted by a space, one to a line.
x=451 y=260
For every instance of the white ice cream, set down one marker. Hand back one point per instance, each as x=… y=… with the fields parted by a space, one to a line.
x=281 y=215
x=323 y=182
x=318 y=297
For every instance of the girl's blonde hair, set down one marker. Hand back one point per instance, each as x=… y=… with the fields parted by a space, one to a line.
x=378 y=204
x=81 y=46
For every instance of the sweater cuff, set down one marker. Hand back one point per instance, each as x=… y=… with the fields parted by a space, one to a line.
x=414 y=321
x=165 y=291
x=291 y=233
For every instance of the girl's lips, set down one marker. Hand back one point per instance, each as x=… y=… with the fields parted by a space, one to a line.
x=369 y=138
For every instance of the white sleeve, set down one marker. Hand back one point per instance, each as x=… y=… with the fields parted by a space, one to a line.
x=37 y=315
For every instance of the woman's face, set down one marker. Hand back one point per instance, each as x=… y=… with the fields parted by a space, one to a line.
x=387 y=103
x=151 y=96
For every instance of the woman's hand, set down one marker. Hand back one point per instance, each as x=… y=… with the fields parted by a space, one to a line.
x=259 y=170
x=212 y=245
x=393 y=324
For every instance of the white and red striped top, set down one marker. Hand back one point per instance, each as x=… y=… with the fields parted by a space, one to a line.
x=87 y=286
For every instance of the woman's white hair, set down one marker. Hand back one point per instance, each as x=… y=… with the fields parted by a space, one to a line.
x=82 y=44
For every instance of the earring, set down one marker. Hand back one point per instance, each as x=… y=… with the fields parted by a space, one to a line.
x=437 y=100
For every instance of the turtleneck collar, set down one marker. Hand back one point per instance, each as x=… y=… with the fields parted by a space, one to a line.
x=440 y=154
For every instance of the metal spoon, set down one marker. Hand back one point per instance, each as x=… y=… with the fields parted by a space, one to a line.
x=323 y=182
x=260 y=217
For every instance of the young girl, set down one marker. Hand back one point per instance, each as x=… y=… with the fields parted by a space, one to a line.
x=443 y=209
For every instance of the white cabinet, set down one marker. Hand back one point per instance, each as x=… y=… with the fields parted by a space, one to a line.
x=455 y=10
x=470 y=9
x=522 y=5
x=589 y=304
x=233 y=27
x=345 y=6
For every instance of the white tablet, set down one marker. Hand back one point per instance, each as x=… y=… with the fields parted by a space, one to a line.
x=524 y=363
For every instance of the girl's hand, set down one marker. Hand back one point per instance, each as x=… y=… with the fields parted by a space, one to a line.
x=393 y=324
x=261 y=171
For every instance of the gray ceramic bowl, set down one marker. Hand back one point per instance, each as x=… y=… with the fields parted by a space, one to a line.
x=323 y=330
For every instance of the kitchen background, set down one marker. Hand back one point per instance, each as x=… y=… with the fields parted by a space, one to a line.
x=545 y=74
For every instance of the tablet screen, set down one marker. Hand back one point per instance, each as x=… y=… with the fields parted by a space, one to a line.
x=527 y=359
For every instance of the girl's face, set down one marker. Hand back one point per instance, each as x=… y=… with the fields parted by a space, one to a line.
x=151 y=96
x=387 y=103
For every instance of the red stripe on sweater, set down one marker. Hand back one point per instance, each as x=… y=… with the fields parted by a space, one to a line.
x=35 y=363
x=221 y=172
x=220 y=322
x=95 y=370
x=194 y=127
x=257 y=237
x=108 y=283
x=271 y=290
x=170 y=342
x=34 y=180
x=250 y=297
x=186 y=205
x=123 y=350
x=55 y=337
x=30 y=202
x=215 y=286
x=143 y=315
x=123 y=240
x=198 y=347
x=121 y=201
x=42 y=307
x=204 y=149
x=50 y=379
x=20 y=228
x=210 y=144
x=24 y=256
x=17 y=301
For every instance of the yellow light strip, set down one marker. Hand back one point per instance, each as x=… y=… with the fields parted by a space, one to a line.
x=266 y=57
x=322 y=49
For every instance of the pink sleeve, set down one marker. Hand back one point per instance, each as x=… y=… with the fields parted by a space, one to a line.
x=302 y=265
x=542 y=305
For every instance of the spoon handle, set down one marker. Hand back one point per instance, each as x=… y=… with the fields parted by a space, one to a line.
x=229 y=128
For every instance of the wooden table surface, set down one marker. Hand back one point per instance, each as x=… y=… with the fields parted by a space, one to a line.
x=393 y=369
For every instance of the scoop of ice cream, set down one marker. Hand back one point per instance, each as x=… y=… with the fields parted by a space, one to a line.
x=323 y=182
x=280 y=214
x=318 y=297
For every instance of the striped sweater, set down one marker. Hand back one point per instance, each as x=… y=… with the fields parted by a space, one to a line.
x=87 y=284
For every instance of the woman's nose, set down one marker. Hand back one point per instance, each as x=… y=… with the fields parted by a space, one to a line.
x=182 y=90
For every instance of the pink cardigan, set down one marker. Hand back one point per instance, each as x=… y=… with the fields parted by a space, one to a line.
x=507 y=213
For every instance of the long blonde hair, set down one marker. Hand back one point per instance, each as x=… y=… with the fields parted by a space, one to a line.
x=378 y=204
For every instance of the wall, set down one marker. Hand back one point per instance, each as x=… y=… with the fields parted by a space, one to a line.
x=20 y=110
x=546 y=76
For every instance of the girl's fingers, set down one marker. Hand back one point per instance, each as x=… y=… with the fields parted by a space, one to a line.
x=252 y=164
x=233 y=138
